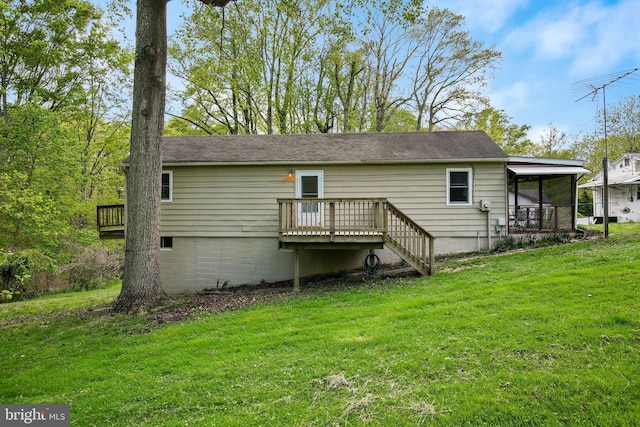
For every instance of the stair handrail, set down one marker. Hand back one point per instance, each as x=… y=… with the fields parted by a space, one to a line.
x=409 y=237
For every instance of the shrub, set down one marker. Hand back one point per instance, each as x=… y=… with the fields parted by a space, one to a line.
x=17 y=272
x=92 y=267
x=509 y=243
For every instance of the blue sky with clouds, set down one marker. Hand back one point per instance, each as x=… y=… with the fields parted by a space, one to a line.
x=547 y=46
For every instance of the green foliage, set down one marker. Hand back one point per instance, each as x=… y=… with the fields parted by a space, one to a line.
x=28 y=217
x=17 y=272
x=316 y=66
x=43 y=46
x=623 y=134
x=585 y=202
x=62 y=126
x=512 y=138
x=512 y=242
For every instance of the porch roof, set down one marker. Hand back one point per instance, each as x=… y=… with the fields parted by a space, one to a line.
x=529 y=170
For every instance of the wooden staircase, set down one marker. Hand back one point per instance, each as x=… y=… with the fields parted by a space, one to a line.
x=409 y=241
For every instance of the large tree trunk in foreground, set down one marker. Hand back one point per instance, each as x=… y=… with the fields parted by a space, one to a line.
x=141 y=288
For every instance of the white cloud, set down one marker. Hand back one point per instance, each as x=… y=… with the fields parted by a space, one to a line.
x=513 y=97
x=487 y=15
x=592 y=36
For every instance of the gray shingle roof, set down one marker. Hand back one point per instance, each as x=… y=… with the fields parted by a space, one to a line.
x=332 y=148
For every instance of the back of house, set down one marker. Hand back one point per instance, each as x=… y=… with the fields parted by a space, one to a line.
x=223 y=198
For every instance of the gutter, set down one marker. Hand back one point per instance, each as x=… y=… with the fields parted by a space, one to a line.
x=331 y=162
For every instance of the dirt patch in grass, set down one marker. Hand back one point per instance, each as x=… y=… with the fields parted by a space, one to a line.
x=222 y=300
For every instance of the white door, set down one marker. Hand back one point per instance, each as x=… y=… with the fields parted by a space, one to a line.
x=310 y=185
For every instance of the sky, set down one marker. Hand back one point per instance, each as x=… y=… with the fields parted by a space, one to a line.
x=547 y=47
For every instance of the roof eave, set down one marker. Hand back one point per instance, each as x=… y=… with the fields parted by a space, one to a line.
x=337 y=162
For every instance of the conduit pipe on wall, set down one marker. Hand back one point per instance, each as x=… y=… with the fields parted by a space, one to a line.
x=489 y=228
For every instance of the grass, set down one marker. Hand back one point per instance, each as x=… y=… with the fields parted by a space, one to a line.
x=542 y=337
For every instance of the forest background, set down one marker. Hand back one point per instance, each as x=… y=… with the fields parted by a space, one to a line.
x=260 y=66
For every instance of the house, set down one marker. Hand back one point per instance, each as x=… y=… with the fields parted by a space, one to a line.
x=266 y=208
x=624 y=190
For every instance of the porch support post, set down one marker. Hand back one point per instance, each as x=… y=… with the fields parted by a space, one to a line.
x=540 y=196
x=296 y=271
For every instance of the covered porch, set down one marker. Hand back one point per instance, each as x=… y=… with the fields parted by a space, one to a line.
x=543 y=195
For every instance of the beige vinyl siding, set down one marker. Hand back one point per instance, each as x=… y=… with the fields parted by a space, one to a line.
x=420 y=192
x=240 y=201
x=225 y=201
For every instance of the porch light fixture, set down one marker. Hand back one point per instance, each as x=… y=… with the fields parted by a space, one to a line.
x=291 y=174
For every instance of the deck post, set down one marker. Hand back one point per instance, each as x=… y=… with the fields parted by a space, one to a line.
x=432 y=256
x=332 y=220
x=296 y=271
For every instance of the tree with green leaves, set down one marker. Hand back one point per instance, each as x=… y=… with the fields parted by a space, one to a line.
x=623 y=134
x=61 y=76
x=259 y=67
x=511 y=137
x=43 y=48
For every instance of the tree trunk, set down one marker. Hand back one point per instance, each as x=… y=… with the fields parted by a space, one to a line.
x=141 y=288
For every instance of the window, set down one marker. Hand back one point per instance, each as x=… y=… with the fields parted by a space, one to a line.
x=167 y=186
x=166 y=242
x=309 y=190
x=459 y=189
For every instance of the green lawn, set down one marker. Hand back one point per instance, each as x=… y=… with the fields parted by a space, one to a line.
x=541 y=337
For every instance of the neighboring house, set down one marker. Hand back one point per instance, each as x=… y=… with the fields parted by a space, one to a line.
x=265 y=208
x=624 y=190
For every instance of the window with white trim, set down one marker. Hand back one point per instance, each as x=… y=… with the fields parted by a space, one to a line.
x=459 y=186
x=167 y=186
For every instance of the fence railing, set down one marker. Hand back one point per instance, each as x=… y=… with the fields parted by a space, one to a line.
x=333 y=217
x=110 y=221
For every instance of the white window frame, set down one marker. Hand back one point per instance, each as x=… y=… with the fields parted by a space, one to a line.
x=301 y=173
x=469 y=201
x=170 y=199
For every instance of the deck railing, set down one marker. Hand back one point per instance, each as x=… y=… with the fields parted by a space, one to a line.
x=110 y=221
x=352 y=220
x=414 y=244
x=331 y=217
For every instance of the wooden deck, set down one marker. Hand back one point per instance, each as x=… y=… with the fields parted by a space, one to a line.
x=354 y=224
x=110 y=221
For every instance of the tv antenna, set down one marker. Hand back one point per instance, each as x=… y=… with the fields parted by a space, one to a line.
x=592 y=86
